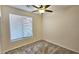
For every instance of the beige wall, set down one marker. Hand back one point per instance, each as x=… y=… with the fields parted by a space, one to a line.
x=0 y=10
x=37 y=28
x=62 y=27
x=0 y=29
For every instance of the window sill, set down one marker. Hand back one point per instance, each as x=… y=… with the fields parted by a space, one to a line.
x=19 y=39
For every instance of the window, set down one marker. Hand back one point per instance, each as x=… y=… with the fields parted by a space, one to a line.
x=20 y=26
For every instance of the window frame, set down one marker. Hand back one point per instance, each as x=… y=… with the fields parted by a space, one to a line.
x=23 y=38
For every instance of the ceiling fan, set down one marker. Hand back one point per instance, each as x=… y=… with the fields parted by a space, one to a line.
x=42 y=8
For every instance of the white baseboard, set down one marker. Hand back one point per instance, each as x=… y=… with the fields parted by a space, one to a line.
x=19 y=46
x=61 y=45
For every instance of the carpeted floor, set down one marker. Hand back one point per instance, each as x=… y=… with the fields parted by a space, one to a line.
x=41 y=47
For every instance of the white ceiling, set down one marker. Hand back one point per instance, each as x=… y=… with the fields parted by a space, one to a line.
x=29 y=8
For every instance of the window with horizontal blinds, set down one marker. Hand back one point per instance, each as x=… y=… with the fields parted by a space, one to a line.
x=20 y=27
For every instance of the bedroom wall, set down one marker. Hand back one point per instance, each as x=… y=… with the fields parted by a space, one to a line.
x=37 y=28
x=0 y=10
x=0 y=29
x=62 y=27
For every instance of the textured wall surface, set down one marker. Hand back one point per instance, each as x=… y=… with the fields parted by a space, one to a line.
x=62 y=26
x=0 y=28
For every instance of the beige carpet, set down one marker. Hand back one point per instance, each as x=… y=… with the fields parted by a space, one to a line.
x=41 y=47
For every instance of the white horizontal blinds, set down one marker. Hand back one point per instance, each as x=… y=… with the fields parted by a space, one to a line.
x=15 y=26
x=27 y=26
x=20 y=26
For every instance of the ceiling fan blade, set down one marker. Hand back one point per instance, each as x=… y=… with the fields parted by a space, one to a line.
x=47 y=6
x=48 y=10
x=35 y=6
x=41 y=6
x=35 y=11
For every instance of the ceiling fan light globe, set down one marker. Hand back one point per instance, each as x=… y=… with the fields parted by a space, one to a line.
x=41 y=11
